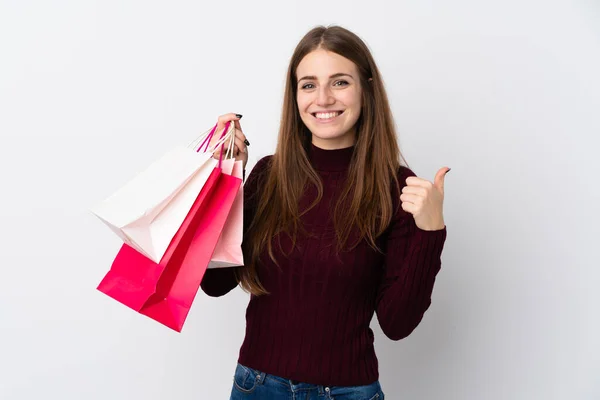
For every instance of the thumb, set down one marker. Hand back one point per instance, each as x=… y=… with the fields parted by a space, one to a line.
x=439 y=178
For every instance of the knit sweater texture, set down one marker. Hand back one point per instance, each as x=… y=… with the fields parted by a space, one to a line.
x=313 y=327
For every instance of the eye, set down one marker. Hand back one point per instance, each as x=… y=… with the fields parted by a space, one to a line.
x=337 y=83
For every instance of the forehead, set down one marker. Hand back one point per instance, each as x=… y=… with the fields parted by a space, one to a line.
x=323 y=63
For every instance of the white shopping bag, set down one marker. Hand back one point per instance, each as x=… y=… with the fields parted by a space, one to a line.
x=147 y=212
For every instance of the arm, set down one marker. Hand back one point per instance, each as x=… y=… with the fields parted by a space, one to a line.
x=412 y=261
x=220 y=281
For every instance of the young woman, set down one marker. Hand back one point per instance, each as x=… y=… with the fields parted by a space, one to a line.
x=335 y=230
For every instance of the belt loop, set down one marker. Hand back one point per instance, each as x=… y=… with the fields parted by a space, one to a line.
x=260 y=378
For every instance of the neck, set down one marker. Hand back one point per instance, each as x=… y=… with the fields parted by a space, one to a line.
x=337 y=159
x=342 y=142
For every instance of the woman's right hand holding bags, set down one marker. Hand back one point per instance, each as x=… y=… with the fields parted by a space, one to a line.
x=240 y=151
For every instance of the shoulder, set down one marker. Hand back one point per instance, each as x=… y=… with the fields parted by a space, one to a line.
x=258 y=172
x=262 y=166
x=263 y=163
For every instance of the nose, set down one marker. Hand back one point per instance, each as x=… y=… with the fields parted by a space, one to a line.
x=324 y=96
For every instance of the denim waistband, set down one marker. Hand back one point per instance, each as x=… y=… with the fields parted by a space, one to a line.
x=296 y=386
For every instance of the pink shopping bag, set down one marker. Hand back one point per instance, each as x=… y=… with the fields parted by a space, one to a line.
x=228 y=252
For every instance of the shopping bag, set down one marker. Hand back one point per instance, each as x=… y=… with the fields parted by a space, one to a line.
x=147 y=211
x=228 y=251
x=165 y=291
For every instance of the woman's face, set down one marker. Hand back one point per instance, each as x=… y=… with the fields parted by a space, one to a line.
x=329 y=98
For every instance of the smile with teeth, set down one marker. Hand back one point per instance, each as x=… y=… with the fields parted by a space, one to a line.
x=327 y=116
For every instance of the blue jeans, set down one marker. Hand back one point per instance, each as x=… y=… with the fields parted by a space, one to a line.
x=249 y=383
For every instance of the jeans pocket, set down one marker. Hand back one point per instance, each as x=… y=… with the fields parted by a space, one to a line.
x=245 y=379
x=378 y=396
x=364 y=392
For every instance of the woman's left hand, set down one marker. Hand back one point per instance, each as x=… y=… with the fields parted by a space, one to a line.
x=425 y=200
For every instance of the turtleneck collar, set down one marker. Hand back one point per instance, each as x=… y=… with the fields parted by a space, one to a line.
x=330 y=160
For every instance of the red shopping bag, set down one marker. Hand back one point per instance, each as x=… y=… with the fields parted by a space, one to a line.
x=165 y=291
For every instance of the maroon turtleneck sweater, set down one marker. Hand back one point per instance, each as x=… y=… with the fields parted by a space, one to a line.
x=313 y=327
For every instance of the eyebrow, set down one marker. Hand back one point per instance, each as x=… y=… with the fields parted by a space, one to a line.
x=312 y=77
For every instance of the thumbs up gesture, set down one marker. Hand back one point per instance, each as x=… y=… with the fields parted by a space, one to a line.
x=424 y=200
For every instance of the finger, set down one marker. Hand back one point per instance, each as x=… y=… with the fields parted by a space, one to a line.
x=220 y=148
x=236 y=147
x=239 y=129
x=440 y=177
x=409 y=207
x=240 y=145
x=418 y=190
x=245 y=140
x=237 y=125
x=220 y=131
x=216 y=135
x=411 y=198
x=239 y=134
x=213 y=141
x=416 y=181
x=236 y=151
x=223 y=120
x=228 y=117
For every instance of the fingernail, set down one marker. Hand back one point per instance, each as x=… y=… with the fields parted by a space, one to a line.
x=246 y=142
x=239 y=115
x=448 y=170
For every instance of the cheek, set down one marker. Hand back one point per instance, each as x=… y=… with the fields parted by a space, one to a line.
x=351 y=100
x=303 y=102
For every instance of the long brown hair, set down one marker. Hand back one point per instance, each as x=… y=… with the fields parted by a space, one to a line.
x=366 y=202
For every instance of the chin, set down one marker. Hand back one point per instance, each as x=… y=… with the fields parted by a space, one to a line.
x=327 y=132
x=328 y=136
x=333 y=139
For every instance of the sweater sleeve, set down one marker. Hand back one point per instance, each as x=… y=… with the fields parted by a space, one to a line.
x=220 y=281
x=412 y=261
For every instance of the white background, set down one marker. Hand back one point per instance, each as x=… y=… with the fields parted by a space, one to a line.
x=506 y=93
